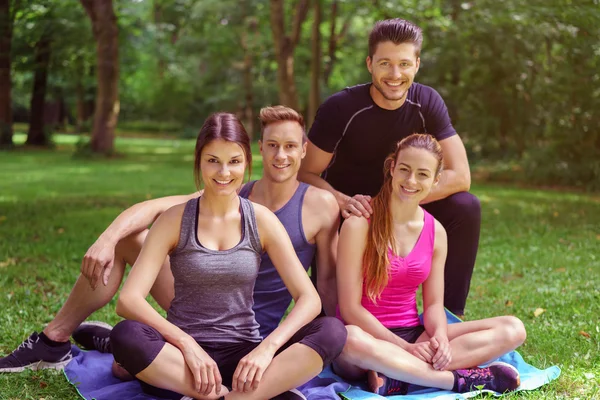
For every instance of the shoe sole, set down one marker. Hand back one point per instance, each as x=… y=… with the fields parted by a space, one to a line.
x=98 y=324
x=59 y=366
x=510 y=367
x=297 y=393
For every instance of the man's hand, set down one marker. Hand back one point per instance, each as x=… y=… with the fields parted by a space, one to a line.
x=359 y=205
x=98 y=262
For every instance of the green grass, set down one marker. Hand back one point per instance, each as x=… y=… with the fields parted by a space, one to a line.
x=539 y=249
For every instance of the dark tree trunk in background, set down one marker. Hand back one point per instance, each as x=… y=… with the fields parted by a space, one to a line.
x=454 y=66
x=284 y=49
x=314 y=98
x=334 y=41
x=106 y=114
x=6 y=132
x=37 y=133
x=80 y=105
x=248 y=38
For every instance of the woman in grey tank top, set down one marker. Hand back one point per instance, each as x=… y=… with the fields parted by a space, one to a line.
x=210 y=337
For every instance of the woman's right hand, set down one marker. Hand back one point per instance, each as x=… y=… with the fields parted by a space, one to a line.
x=204 y=368
x=421 y=350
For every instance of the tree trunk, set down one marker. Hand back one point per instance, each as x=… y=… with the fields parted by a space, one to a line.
x=455 y=67
x=6 y=132
x=284 y=49
x=80 y=105
x=250 y=25
x=37 y=135
x=334 y=41
x=104 y=25
x=314 y=99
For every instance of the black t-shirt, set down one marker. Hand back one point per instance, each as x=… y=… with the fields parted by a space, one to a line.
x=360 y=134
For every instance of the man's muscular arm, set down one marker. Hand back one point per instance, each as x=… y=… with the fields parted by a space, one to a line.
x=312 y=167
x=327 y=212
x=98 y=260
x=456 y=176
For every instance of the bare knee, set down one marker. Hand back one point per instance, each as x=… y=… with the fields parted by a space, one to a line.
x=358 y=343
x=513 y=331
x=130 y=246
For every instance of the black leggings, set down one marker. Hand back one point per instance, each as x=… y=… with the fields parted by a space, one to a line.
x=135 y=346
x=460 y=215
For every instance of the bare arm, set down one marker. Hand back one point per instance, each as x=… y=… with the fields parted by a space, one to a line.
x=352 y=245
x=434 y=316
x=456 y=176
x=132 y=303
x=99 y=258
x=278 y=246
x=312 y=167
x=327 y=242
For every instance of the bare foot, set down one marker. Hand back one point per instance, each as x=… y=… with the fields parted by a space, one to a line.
x=374 y=381
x=120 y=372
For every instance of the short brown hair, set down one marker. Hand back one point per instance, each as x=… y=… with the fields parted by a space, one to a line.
x=397 y=31
x=269 y=115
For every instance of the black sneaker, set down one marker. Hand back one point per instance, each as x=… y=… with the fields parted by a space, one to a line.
x=34 y=354
x=386 y=386
x=93 y=335
x=498 y=376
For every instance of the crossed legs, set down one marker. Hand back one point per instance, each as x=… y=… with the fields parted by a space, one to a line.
x=472 y=343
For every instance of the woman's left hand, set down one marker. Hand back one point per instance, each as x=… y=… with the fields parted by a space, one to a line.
x=251 y=368
x=443 y=355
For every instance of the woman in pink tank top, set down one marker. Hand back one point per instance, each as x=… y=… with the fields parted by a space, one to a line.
x=381 y=264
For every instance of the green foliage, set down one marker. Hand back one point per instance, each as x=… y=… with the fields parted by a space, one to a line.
x=520 y=78
x=538 y=250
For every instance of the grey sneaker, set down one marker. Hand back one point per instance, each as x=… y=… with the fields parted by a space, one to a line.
x=34 y=354
x=93 y=335
x=498 y=376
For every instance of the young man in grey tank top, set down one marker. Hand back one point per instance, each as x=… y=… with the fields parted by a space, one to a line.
x=283 y=146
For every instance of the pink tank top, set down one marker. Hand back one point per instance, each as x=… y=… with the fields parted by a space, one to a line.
x=397 y=306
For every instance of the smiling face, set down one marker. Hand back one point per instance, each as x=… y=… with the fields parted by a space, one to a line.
x=393 y=68
x=282 y=150
x=222 y=167
x=414 y=174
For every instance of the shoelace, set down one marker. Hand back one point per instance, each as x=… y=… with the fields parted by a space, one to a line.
x=478 y=376
x=101 y=344
x=28 y=343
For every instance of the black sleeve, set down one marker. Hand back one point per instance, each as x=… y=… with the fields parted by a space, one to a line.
x=328 y=126
x=437 y=120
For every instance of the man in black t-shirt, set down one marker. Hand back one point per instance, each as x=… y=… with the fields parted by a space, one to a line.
x=355 y=129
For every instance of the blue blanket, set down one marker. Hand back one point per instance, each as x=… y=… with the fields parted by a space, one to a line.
x=90 y=373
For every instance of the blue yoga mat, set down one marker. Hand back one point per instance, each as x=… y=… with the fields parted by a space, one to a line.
x=90 y=373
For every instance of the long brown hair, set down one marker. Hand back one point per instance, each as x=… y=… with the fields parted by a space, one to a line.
x=381 y=231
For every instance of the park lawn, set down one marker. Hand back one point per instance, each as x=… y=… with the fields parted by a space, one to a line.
x=538 y=250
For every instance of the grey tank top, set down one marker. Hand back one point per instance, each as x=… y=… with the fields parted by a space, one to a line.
x=214 y=289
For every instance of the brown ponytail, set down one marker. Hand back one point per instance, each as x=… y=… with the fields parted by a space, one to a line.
x=381 y=231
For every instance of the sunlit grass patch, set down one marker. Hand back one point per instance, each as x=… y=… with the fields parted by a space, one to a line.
x=538 y=251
